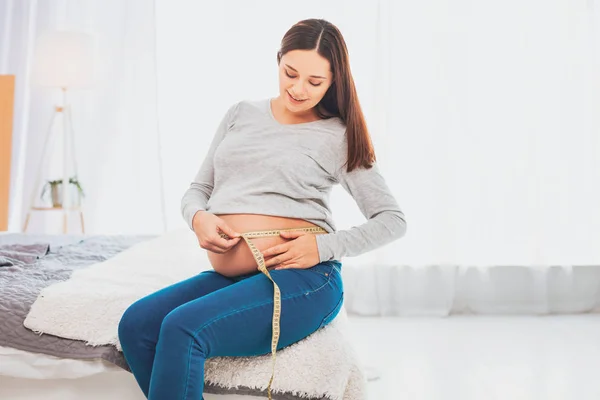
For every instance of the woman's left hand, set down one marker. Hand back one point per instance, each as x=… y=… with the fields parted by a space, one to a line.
x=300 y=252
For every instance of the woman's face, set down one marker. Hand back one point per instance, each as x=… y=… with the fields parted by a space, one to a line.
x=304 y=77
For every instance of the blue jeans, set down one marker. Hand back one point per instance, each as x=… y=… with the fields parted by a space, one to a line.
x=167 y=336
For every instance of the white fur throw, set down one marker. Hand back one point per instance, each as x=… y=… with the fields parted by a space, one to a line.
x=90 y=304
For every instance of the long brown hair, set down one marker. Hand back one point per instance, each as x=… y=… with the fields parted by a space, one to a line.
x=341 y=99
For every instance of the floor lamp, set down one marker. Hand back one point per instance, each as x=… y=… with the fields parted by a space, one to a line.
x=62 y=60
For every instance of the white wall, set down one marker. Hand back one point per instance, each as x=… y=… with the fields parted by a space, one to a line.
x=212 y=54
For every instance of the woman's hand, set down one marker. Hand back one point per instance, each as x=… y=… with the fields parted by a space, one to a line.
x=300 y=252
x=207 y=227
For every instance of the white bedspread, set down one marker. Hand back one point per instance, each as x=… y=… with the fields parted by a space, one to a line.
x=90 y=304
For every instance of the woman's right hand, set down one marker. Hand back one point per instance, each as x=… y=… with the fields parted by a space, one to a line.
x=207 y=227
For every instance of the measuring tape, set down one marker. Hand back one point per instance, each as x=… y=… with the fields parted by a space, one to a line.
x=260 y=261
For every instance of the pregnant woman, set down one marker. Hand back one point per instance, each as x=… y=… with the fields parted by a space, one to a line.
x=260 y=206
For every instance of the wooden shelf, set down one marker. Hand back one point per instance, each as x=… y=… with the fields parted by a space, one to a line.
x=65 y=216
x=55 y=208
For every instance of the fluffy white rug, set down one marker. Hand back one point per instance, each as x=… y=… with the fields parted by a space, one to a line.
x=90 y=304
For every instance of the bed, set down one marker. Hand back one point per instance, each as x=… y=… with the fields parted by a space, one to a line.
x=47 y=282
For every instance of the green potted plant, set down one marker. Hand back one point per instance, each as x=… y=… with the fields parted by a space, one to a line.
x=54 y=187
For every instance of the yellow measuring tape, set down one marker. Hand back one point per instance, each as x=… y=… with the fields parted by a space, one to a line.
x=260 y=261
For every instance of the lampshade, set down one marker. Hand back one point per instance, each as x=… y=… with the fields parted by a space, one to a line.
x=63 y=59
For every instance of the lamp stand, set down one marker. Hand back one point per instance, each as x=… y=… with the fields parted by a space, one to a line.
x=68 y=137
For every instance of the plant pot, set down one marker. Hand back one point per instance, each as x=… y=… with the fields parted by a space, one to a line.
x=56 y=194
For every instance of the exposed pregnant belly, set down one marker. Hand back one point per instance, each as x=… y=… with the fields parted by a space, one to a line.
x=239 y=260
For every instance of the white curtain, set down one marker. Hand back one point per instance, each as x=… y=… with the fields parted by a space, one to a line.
x=15 y=43
x=482 y=116
x=490 y=131
x=115 y=122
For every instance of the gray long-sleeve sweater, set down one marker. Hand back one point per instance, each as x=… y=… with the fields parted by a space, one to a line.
x=257 y=165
